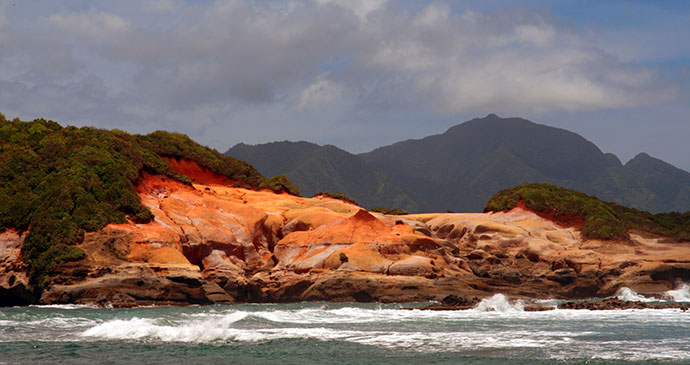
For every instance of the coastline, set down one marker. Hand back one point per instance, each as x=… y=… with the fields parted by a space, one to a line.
x=213 y=243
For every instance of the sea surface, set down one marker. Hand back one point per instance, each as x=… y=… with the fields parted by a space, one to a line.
x=496 y=331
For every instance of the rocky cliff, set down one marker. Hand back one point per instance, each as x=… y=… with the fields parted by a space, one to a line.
x=211 y=242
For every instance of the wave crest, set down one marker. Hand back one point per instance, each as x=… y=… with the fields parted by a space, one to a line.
x=499 y=303
x=215 y=328
x=682 y=294
x=628 y=295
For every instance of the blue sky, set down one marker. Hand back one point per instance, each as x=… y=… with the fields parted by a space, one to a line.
x=355 y=73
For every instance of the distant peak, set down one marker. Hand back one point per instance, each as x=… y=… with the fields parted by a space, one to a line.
x=492 y=116
x=642 y=155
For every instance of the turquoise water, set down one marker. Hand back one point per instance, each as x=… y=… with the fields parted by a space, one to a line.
x=346 y=333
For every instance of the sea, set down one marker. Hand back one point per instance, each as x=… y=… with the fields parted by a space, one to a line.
x=496 y=331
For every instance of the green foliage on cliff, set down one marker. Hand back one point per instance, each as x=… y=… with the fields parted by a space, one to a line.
x=281 y=183
x=603 y=220
x=395 y=211
x=336 y=195
x=59 y=182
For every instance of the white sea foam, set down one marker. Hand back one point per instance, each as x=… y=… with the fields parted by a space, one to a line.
x=682 y=294
x=629 y=295
x=64 y=306
x=496 y=324
x=201 y=331
x=207 y=329
x=340 y=315
x=499 y=303
x=549 y=302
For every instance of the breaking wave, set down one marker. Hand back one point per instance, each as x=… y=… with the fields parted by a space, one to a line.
x=629 y=295
x=682 y=294
x=210 y=328
x=499 y=303
x=497 y=326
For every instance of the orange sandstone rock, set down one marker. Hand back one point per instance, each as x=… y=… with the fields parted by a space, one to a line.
x=212 y=242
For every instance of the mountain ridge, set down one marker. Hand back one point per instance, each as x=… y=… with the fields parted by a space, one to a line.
x=462 y=167
x=325 y=168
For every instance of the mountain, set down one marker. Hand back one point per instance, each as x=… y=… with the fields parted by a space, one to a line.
x=669 y=184
x=461 y=169
x=325 y=168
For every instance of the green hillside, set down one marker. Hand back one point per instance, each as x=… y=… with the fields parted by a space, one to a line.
x=602 y=220
x=325 y=168
x=59 y=182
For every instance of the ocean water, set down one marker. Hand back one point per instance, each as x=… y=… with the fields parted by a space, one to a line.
x=496 y=331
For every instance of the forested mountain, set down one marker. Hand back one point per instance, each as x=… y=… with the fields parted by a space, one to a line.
x=317 y=168
x=460 y=169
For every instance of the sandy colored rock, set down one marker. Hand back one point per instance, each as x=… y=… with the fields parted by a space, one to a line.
x=413 y=266
x=212 y=242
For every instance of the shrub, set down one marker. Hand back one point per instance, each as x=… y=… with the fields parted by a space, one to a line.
x=336 y=195
x=396 y=211
x=603 y=220
x=281 y=183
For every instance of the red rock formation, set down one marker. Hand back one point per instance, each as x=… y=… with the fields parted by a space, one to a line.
x=214 y=243
x=198 y=174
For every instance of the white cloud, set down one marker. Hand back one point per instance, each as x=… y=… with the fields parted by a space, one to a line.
x=240 y=51
x=162 y=5
x=539 y=35
x=433 y=15
x=360 y=8
x=319 y=92
x=92 y=23
x=335 y=61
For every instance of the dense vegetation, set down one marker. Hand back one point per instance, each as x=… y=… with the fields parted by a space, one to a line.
x=602 y=220
x=59 y=182
x=325 y=168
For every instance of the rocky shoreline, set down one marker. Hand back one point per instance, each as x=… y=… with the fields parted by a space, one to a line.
x=212 y=243
x=452 y=302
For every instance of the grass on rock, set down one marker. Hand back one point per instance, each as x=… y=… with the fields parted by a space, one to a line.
x=602 y=220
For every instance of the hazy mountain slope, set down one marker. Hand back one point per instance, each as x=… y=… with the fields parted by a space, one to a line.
x=462 y=168
x=325 y=168
x=669 y=185
x=459 y=169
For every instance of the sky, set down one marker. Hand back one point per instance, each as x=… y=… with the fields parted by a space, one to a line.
x=357 y=74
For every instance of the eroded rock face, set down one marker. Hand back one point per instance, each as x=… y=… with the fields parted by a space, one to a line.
x=14 y=283
x=214 y=243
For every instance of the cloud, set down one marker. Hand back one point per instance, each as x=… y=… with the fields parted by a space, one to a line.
x=310 y=63
x=360 y=8
x=92 y=23
x=5 y=34
x=318 y=93
x=162 y=5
